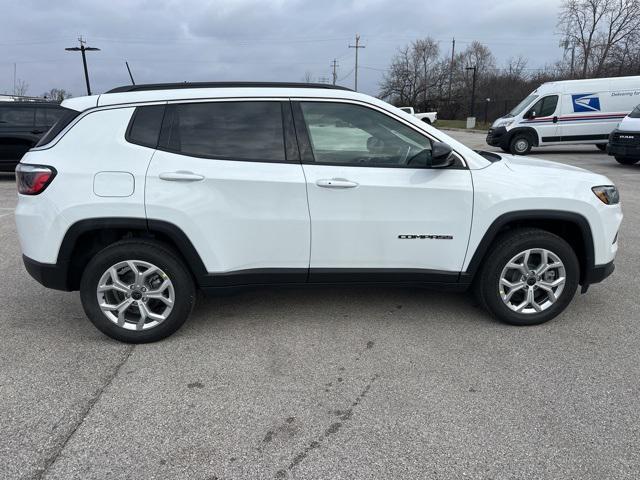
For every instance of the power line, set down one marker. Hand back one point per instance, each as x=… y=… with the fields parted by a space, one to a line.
x=347 y=75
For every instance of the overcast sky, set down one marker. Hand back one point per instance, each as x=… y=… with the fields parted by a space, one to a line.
x=277 y=40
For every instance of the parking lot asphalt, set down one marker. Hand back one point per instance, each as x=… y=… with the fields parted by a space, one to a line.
x=327 y=383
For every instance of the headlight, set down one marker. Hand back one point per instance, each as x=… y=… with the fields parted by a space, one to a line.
x=502 y=123
x=608 y=194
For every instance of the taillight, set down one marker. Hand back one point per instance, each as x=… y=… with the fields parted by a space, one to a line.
x=33 y=179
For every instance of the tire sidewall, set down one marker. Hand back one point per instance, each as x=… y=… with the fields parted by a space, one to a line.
x=519 y=137
x=626 y=160
x=493 y=269
x=149 y=252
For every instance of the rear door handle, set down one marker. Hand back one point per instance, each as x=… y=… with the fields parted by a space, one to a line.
x=181 y=176
x=37 y=132
x=336 y=183
x=555 y=119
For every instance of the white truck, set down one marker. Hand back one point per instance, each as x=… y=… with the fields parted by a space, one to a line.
x=427 y=117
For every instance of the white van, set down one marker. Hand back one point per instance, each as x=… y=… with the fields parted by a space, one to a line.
x=566 y=113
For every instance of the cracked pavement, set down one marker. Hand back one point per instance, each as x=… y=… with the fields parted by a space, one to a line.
x=333 y=382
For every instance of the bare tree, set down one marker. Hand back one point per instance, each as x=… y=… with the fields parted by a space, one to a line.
x=598 y=29
x=57 y=94
x=414 y=70
x=21 y=88
x=308 y=77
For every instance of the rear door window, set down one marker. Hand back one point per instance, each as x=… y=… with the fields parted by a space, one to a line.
x=246 y=130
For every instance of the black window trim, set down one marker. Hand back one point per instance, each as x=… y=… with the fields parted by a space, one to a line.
x=304 y=141
x=286 y=131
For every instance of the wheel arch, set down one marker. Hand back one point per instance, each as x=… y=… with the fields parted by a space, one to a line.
x=570 y=226
x=529 y=131
x=87 y=237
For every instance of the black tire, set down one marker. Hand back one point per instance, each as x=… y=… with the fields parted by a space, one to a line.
x=142 y=250
x=426 y=120
x=487 y=282
x=505 y=149
x=627 y=160
x=520 y=144
x=602 y=147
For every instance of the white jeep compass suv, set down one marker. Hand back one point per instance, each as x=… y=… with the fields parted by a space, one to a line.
x=148 y=192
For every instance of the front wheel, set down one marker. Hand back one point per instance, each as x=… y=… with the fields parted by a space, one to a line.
x=520 y=144
x=626 y=160
x=529 y=277
x=137 y=291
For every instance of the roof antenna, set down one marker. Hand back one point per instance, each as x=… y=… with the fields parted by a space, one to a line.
x=129 y=70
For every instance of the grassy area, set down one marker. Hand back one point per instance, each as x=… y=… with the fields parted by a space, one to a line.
x=461 y=124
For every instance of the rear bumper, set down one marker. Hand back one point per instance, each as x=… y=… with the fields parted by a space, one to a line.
x=498 y=137
x=50 y=275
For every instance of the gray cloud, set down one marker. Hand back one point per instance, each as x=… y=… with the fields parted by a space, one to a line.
x=170 y=40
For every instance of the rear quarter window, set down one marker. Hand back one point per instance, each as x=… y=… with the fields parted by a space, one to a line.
x=65 y=117
x=144 y=128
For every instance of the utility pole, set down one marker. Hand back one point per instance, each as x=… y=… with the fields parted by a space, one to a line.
x=130 y=76
x=573 y=56
x=453 y=52
x=334 y=65
x=14 y=78
x=473 y=89
x=357 y=46
x=83 y=49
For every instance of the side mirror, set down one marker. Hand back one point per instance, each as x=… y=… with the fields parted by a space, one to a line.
x=530 y=114
x=441 y=155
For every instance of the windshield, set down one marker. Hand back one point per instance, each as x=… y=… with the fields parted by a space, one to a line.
x=522 y=105
x=635 y=113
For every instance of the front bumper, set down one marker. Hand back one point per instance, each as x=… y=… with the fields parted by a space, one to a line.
x=50 y=275
x=597 y=274
x=624 y=144
x=498 y=137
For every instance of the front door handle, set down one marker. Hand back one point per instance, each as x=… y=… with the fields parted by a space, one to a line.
x=37 y=132
x=336 y=183
x=181 y=176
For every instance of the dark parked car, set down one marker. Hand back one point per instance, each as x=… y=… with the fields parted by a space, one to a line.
x=22 y=124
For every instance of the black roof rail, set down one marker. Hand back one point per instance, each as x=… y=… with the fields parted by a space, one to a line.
x=183 y=85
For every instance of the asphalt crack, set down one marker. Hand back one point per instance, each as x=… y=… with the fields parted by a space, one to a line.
x=343 y=415
x=51 y=459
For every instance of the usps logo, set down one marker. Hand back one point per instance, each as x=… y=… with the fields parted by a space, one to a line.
x=586 y=102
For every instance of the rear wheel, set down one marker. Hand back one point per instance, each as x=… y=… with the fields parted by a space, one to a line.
x=137 y=291
x=602 y=147
x=529 y=277
x=627 y=160
x=520 y=144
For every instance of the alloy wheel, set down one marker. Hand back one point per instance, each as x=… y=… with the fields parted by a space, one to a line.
x=135 y=295
x=532 y=281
